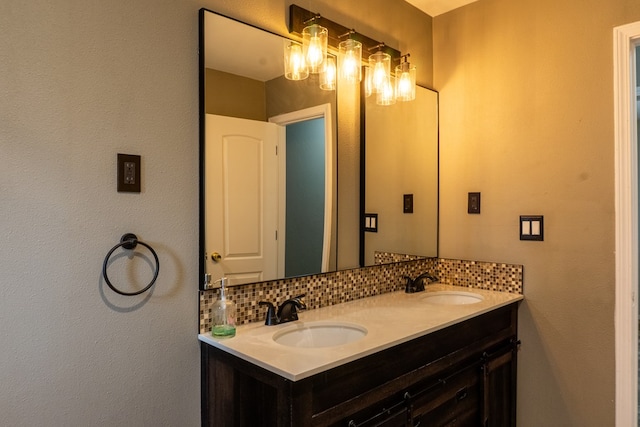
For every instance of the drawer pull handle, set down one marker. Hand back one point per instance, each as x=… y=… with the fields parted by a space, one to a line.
x=462 y=394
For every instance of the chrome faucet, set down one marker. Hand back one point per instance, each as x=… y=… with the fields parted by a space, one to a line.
x=287 y=311
x=417 y=284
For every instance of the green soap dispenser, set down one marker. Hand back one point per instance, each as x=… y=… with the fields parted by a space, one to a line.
x=223 y=314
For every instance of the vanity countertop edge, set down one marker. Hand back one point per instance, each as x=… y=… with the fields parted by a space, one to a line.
x=390 y=319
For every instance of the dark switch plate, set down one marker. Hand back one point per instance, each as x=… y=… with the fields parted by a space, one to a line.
x=128 y=173
x=473 y=206
x=407 y=203
x=532 y=227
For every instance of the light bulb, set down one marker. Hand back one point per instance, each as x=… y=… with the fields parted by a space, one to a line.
x=349 y=66
x=406 y=82
x=386 y=96
x=349 y=59
x=314 y=54
x=404 y=85
x=381 y=63
x=297 y=62
x=314 y=46
x=295 y=67
x=328 y=74
x=379 y=77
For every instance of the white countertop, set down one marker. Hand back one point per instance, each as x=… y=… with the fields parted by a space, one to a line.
x=390 y=319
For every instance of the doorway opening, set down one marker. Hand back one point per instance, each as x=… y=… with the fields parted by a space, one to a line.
x=294 y=207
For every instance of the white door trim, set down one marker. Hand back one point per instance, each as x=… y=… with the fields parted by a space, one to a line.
x=320 y=111
x=626 y=204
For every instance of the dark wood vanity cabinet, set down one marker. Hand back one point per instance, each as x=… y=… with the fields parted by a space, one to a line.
x=463 y=375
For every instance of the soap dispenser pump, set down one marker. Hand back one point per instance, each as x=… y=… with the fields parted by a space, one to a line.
x=223 y=314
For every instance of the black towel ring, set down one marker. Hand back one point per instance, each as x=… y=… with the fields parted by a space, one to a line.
x=129 y=241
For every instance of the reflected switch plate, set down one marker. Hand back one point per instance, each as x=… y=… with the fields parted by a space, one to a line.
x=371 y=222
x=473 y=203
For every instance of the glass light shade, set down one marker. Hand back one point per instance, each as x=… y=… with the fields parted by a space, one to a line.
x=405 y=82
x=328 y=74
x=314 y=46
x=387 y=95
x=349 y=61
x=295 y=67
x=368 y=81
x=380 y=64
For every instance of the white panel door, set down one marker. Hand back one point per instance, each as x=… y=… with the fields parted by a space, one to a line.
x=241 y=210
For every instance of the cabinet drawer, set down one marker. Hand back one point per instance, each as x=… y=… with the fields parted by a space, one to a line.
x=453 y=400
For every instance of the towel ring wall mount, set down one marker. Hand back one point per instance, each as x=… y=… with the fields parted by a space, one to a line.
x=129 y=241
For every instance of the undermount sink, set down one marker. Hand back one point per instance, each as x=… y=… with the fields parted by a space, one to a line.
x=452 y=297
x=320 y=334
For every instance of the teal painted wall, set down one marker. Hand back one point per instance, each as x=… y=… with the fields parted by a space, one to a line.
x=305 y=197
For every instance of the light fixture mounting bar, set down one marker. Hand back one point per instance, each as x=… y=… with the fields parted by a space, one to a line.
x=300 y=18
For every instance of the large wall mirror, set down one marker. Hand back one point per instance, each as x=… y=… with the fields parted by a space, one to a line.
x=268 y=162
x=400 y=182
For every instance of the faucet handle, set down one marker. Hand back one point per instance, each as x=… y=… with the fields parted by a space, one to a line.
x=303 y=305
x=429 y=277
x=271 y=318
x=288 y=310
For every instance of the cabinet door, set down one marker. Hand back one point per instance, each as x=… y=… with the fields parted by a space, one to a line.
x=499 y=390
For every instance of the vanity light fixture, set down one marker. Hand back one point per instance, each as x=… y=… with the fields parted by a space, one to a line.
x=328 y=74
x=324 y=33
x=295 y=67
x=350 y=60
x=405 y=80
x=314 y=45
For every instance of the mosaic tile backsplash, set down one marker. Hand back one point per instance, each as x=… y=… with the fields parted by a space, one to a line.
x=334 y=288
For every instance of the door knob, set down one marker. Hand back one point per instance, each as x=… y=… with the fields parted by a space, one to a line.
x=215 y=257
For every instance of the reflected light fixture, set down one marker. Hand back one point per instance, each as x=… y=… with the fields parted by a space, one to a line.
x=380 y=64
x=350 y=60
x=314 y=46
x=295 y=67
x=368 y=80
x=328 y=74
x=405 y=80
x=387 y=95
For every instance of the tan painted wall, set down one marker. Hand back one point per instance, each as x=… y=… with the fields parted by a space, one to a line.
x=526 y=91
x=81 y=81
x=236 y=96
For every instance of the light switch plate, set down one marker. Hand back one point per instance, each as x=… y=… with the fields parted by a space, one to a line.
x=532 y=227
x=128 y=173
x=407 y=203
x=473 y=203
x=371 y=222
